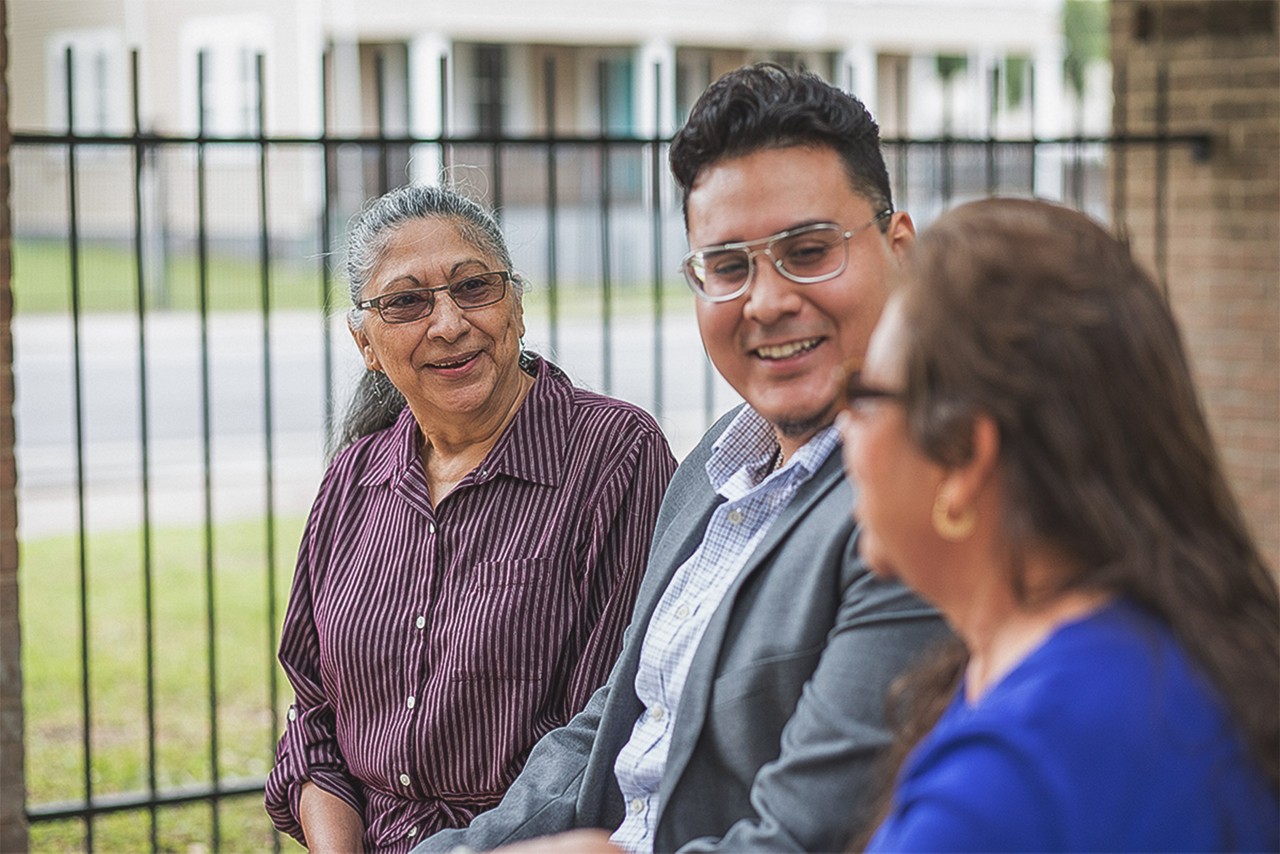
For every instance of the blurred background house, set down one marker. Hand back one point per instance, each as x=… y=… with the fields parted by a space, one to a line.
x=492 y=69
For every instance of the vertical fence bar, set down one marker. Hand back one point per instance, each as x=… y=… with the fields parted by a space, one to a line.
x=206 y=434
x=328 y=175
x=904 y=148
x=73 y=245
x=989 y=147
x=553 y=205
x=655 y=190
x=1031 y=99
x=948 y=180
x=606 y=260
x=268 y=428
x=140 y=153
x=495 y=179
x=495 y=151
x=1162 y=175
x=1119 y=153
x=380 y=101
x=1077 y=170
x=904 y=173
x=445 y=149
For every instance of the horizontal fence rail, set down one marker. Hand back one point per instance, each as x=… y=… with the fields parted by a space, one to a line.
x=180 y=356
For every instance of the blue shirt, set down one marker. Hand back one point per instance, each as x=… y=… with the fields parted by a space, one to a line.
x=740 y=471
x=1103 y=738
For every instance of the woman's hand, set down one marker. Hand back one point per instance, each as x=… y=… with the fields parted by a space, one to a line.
x=329 y=823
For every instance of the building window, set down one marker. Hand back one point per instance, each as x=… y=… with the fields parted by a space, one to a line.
x=617 y=95
x=230 y=47
x=98 y=83
x=490 y=73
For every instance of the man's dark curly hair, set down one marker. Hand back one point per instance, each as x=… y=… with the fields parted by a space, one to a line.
x=765 y=106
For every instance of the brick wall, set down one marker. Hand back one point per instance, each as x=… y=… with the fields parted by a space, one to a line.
x=1221 y=61
x=13 y=831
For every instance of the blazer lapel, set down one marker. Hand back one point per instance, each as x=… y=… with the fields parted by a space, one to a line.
x=696 y=501
x=702 y=672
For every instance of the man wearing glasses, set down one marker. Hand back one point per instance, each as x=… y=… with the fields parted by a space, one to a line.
x=746 y=710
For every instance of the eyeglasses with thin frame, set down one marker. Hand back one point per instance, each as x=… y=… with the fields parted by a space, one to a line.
x=806 y=255
x=857 y=394
x=475 y=291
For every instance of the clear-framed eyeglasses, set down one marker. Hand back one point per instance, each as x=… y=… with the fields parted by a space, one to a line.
x=805 y=255
x=475 y=291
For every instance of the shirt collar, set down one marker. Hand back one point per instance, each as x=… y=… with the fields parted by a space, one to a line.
x=745 y=451
x=533 y=447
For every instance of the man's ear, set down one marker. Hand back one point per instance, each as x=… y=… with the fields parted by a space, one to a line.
x=366 y=349
x=901 y=233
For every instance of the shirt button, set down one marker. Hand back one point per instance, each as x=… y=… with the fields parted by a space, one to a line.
x=293 y=713
x=413 y=831
x=404 y=779
x=735 y=517
x=421 y=622
x=637 y=806
x=657 y=713
x=682 y=613
x=431 y=527
x=409 y=702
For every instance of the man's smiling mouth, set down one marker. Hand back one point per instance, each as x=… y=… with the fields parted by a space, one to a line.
x=786 y=351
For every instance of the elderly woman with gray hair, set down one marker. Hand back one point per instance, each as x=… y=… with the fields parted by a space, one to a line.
x=474 y=551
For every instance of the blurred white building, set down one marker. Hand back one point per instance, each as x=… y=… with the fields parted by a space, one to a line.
x=630 y=66
x=490 y=68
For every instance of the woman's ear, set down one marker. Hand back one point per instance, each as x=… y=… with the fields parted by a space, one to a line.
x=517 y=294
x=963 y=484
x=366 y=349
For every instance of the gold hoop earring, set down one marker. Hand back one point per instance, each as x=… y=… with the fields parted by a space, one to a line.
x=953 y=529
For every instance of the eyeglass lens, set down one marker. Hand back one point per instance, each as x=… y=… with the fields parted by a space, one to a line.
x=860 y=397
x=804 y=257
x=472 y=292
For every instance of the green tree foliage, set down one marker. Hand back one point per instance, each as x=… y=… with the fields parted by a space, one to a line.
x=1085 y=27
x=949 y=66
x=1015 y=73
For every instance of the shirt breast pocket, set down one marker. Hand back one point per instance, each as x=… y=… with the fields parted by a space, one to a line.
x=512 y=621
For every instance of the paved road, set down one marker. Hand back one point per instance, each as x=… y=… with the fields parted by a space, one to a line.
x=111 y=403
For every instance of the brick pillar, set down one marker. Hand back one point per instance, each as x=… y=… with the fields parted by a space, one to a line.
x=1220 y=60
x=13 y=824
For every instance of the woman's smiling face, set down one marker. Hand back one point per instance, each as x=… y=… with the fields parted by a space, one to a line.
x=452 y=365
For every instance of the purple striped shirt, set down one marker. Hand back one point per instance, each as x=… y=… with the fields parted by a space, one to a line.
x=430 y=647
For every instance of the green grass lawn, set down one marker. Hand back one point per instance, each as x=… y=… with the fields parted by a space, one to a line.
x=244 y=642
x=108 y=282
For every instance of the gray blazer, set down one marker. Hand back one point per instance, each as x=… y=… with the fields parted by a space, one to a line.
x=782 y=716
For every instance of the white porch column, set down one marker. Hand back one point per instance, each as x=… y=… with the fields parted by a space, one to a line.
x=857 y=74
x=655 y=90
x=1047 y=119
x=985 y=104
x=427 y=53
x=345 y=59
x=519 y=89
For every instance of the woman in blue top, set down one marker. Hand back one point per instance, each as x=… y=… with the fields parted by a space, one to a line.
x=1031 y=456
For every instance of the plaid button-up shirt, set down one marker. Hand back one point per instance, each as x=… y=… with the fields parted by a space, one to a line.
x=740 y=470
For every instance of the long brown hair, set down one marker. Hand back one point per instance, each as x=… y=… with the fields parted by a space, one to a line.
x=1033 y=315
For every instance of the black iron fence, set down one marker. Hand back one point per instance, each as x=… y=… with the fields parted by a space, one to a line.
x=179 y=358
